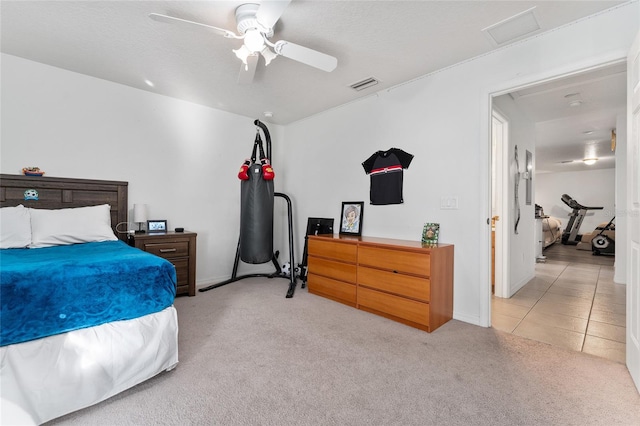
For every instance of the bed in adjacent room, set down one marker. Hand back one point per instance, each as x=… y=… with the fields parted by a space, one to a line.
x=551 y=230
x=84 y=315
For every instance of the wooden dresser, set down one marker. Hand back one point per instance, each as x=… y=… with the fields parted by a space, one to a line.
x=405 y=281
x=179 y=248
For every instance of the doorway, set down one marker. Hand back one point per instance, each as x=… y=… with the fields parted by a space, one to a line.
x=541 y=292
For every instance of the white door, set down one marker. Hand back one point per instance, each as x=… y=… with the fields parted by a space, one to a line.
x=633 y=211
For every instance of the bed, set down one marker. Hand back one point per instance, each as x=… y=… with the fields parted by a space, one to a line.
x=551 y=230
x=84 y=315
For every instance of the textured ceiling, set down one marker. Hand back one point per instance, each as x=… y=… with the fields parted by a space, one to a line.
x=565 y=134
x=393 y=41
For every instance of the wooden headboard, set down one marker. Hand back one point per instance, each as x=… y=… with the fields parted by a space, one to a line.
x=60 y=193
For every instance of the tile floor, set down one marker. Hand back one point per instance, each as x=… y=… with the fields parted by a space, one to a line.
x=572 y=305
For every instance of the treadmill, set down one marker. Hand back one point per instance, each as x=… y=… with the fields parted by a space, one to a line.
x=570 y=234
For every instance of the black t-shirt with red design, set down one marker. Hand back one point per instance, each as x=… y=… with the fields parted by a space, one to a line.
x=386 y=171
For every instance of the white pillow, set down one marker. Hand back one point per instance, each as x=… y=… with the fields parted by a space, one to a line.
x=71 y=226
x=15 y=227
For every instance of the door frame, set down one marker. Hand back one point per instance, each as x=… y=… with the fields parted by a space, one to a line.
x=501 y=168
x=487 y=107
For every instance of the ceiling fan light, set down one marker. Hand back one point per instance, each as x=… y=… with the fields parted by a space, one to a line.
x=268 y=55
x=253 y=40
x=590 y=161
x=242 y=53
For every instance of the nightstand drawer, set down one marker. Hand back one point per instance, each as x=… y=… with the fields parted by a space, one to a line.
x=168 y=250
x=179 y=248
x=182 y=273
x=182 y=269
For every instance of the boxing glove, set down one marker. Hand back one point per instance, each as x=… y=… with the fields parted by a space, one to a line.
x=242 y=174
x=267 y=170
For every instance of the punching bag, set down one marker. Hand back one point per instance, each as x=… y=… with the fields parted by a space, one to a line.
x=256 y=217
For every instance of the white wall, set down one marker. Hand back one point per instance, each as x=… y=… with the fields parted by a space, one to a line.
x=180 y=158
x=443 y=119
x=522 y=254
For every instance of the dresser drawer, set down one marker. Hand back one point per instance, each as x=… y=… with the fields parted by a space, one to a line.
x=398 y=307
x=332 y=289
x=403 y=285
x=330 y=249
x=168 y=249
x=395 y=260
x=329 y=268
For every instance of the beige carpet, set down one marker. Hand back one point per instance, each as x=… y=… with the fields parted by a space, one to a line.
x=249 y=356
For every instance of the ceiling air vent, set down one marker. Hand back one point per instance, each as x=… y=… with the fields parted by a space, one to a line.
x=517 y=27
x=364 y=84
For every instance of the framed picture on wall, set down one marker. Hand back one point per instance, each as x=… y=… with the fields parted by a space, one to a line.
x=351 y=217
x=529 y=176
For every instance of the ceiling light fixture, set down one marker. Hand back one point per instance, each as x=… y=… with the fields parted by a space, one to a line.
x=590 y=161
x=268 y=55
x=243 y=54
x=254 y=36
x=253 y=40
x=575 y=100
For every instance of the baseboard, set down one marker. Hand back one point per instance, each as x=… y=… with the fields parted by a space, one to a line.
x=517 y=286
x=469 y=319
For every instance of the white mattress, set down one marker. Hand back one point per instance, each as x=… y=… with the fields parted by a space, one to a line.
x=48 y=378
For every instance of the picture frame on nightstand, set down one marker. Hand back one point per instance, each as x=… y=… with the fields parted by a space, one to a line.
x=156 y=226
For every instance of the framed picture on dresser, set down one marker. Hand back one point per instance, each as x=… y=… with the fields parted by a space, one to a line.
x=351 y=217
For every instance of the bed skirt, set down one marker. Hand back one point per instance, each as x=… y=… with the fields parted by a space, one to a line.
x=56 y=375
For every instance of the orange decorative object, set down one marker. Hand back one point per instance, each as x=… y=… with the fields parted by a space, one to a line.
x=32 y=171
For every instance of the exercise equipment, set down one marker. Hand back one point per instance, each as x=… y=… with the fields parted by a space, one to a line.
x=255 y=243
x=243 y=174
x=315 y=226
x=603 y=244
x=570 y=235
x=267 y=170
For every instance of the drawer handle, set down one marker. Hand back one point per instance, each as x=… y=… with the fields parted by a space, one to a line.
x=171 y=250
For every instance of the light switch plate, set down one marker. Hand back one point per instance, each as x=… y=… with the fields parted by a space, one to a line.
x=448 y=203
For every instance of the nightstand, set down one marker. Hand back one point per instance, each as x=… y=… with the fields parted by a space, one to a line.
x=178 y=248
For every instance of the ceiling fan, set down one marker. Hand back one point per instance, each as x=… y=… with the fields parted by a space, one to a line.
x=255 y=24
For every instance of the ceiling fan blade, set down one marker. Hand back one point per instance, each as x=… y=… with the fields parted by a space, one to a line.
x=248 y=71
x=270 y=11
x=173 y=20
x=307 y=56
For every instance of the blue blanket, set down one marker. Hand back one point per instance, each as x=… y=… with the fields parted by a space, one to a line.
x=53 y=290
